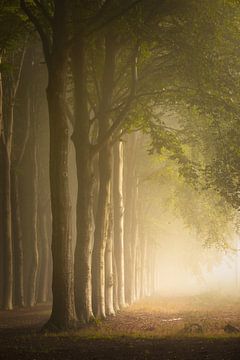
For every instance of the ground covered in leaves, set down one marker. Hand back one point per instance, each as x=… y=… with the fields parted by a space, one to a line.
x=197 y=327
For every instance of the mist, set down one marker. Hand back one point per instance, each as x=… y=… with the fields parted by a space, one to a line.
x=119 y=179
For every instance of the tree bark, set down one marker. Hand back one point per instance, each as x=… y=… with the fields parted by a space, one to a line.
x=143 y=280
x=84 y=163
x=63 y=310
x=9 y=97
x=17 y=241
x=115 y=286
x=109 y=264
x=105 y=173
x=118 y=220
x=56 y=51
x=33 y=270
x=1 y=189
x=44 y=266
x=1 y=100
x=129 y=218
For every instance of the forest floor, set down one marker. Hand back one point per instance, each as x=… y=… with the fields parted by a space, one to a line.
x=161 y=328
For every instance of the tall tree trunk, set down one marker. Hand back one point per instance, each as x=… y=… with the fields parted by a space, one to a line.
x=129 y=215
x=17 y=241
x=1 y=188
x=134 y=241
x=9 y=98
x=32 y=279
x=105 y=173
x=56 y=52
x=84 y=163
x=44 y=265
x=115 y=285
x=109 y=264
x=100 y=237
x=63 y=309
x=7 y=213
x=1 y=99
x=143 y=265
x=118 y=220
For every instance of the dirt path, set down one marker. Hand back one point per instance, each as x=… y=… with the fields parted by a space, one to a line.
x=161 y=328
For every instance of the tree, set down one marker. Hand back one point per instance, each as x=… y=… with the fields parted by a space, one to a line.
x=53 y=28
x=119 y=221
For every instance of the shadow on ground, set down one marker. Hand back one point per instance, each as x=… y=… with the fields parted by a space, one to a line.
x=154 y=329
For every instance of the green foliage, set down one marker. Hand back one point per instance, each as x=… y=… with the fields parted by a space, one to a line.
x=13 y=25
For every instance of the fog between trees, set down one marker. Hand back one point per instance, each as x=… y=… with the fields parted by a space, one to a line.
x=122 y=178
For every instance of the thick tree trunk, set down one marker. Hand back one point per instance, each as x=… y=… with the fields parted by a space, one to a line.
x=56 y=51
x=84 y=163
x=63 y=310
x=105 y=174
x=118 y=220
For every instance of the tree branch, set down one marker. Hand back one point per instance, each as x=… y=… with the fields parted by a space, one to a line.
x=44 y=37
x=17 y=80
x=122 y=115
x=44 y=11
x=114 y=17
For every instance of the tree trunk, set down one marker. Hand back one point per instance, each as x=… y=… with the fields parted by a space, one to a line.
x=44 y=267
x=84 y=163
x=115 y=285
x=6 y=211
x=129 y=216
x=109 y=264
x=100 y=238
x=7 y=225
x=118 y=220
x=134 y=238
x=56 y=51
x=63 y=311
x=17 y=241
x=105 y=174
x=32 y=279
x=143 y=280
x=1 y=100
x=1 y=189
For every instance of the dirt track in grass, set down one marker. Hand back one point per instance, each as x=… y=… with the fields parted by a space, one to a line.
x=157 y=328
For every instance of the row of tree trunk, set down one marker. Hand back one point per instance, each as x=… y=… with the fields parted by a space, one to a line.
x=24 y=281
x=105 y=270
